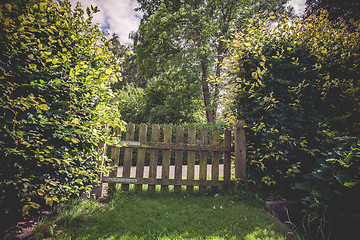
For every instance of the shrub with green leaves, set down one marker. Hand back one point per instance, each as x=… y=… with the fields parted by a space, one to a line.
x=55 y=98
x=296 y=83
x=332 y=192
x=132 y=103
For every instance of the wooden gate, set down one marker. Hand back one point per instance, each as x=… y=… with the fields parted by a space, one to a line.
x=202 y=158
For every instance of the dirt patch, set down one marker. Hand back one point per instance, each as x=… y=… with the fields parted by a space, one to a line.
x=24 y=228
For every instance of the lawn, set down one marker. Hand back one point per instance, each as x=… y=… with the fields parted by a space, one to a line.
x=162 y=215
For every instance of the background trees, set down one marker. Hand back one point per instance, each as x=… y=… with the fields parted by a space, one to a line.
x=55 y=97
x=184 y=39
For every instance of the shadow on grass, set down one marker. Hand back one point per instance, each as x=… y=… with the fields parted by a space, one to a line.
x=165 y=215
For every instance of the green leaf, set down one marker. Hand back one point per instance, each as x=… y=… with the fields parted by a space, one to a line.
x=75 y=121
x=8 y=6
x=72 y=73
x=33 y=66
x=49 y=201
x=44 y=107
x=108 y=71
x=41 y=192
x=78 y=180
x=75 y=140
x=25 y=209
x=342 y=178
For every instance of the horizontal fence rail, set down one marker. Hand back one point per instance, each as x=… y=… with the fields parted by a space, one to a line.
x=203 y=151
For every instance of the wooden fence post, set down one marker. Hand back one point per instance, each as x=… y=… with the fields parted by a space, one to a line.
x=115 y=151
x=97 y=189
x=240 y=151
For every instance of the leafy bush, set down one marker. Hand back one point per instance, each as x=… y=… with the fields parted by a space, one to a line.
x=332 y=191
x=162 y=101
x=173 y=100
x=132 y=103
x=55 y=98
x=296 y=85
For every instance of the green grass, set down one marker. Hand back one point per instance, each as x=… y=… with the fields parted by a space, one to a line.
x=162 y=215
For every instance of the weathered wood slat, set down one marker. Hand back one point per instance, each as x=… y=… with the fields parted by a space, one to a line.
x=155 y=135
x=114 y=155
x=191 y=159
x=113 y=180
x=242 y=165
x=240 y=153
x=179 y=154
x=167 y=182
x=128 y=153
x=215 y=158
x=141 y=156
x=203 y=158
x=166 y=157
x=227 y=156
x=174 y=146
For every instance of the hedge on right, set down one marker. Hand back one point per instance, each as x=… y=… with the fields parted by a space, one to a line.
x=296 y=83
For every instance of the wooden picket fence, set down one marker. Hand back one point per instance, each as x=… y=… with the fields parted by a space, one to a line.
x=218 y=144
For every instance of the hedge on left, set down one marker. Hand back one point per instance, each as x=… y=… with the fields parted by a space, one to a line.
x=55 y=97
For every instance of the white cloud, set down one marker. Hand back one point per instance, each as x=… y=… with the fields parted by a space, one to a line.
x=298 y=5
x=117 y=16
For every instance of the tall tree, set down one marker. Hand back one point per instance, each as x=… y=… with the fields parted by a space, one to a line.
x=187 y=37
x=127 y=62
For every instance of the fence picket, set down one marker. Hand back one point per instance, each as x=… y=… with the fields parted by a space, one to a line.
x=191 y=158
x=215 y=158
x=155 y=135
x=166 y=157
x=203 y=158
x=141 y=156
x=130 y=129
x=179 y=154
x=240 y=153
x=227 y=156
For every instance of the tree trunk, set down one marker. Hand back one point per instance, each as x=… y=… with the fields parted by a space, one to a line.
x=220 y=59
x=210 y=113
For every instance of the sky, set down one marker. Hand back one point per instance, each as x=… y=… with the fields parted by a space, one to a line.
x=119 y=17
x=299 y=6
